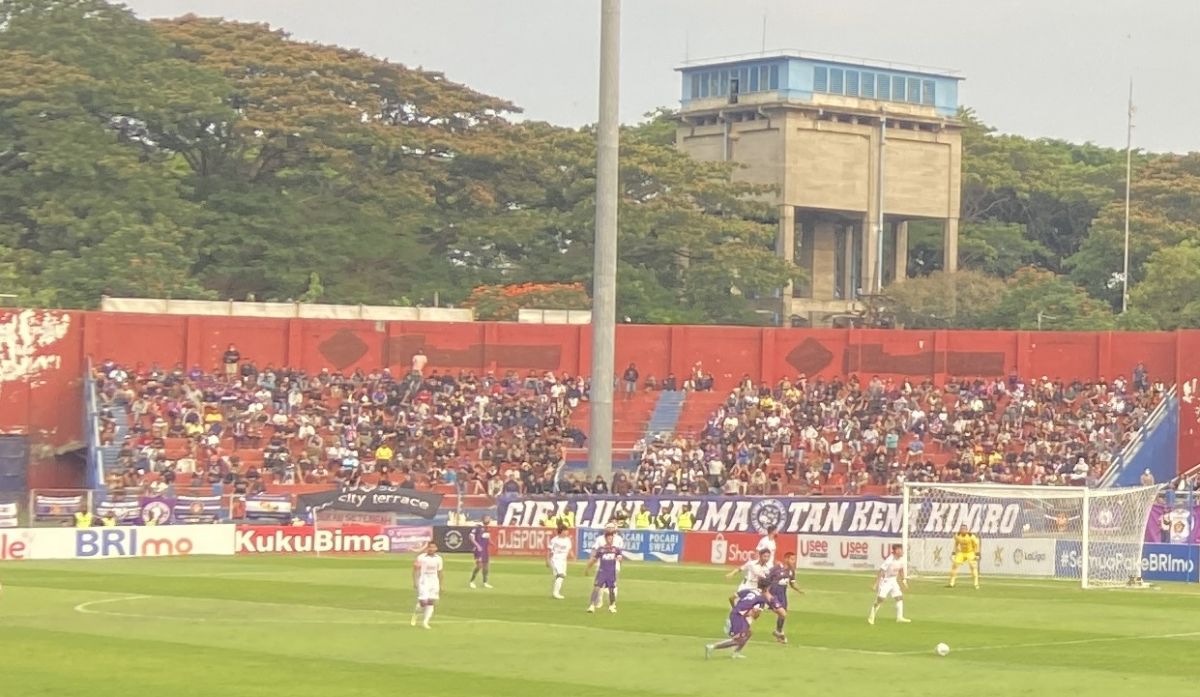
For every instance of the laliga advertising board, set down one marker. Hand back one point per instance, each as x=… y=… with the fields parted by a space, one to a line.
x=1031 y=556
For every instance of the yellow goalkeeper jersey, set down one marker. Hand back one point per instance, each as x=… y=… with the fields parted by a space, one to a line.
x=966 y=544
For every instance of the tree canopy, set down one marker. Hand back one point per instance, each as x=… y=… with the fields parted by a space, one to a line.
x=202 y=158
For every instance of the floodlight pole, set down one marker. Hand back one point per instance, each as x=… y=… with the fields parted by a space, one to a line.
x=604 y=263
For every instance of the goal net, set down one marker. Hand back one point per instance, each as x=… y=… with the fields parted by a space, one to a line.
x=1094 y=536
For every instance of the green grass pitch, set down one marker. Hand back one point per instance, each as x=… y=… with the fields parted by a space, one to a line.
x=301 y=626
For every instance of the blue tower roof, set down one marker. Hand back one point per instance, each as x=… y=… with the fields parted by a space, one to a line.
x=794 y=76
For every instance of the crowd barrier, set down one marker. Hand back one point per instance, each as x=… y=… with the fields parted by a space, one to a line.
x=1017 y=556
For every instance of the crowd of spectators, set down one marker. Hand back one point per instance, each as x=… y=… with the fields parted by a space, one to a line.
x=245 y=426
x=852 y=436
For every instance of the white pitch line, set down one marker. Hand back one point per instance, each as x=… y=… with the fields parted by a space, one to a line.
x=1072 y=642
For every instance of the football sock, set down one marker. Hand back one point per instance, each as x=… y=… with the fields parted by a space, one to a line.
x=899 y=609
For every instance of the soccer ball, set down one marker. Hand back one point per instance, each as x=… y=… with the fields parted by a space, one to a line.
x=942 y=649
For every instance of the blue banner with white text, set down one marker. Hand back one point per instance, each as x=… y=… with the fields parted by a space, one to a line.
x=1158 y=562
x=862 y=516
x=639 y=545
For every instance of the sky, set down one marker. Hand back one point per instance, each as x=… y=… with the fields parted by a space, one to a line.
x=1038 y=68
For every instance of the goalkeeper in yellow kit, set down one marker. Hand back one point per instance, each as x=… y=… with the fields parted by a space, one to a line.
x=966 y=551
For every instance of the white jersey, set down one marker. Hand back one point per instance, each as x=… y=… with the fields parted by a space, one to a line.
x=889 y=578
x=891 y=567
x=752 y=573
x=560 y=548
x=429 y=585
x=560 y=551
x=767 y=543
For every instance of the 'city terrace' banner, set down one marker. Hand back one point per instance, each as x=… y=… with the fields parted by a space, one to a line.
x=816 y=515
x=378 y=499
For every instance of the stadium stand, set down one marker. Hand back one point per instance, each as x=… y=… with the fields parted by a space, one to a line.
x=248 y=428
x=489 y=435
x=844 y=436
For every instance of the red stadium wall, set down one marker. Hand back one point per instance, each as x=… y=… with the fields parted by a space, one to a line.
x=43 y=354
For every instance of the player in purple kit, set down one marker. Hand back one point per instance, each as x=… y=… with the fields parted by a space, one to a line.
x=749 y=606
x=607 y=556
x=781 y=577
x=481 y=539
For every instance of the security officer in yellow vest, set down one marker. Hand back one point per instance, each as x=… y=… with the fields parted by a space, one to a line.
x=110 y=519
x=567 y=519
x=83 y=518
x=643 y=520
x=664 y=521
x=687 y=519
x=549 y=520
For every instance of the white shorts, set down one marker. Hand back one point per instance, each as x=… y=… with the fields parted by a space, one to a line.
x=889 y=588
x=428 y=590
x=558 y=567
x=745 y=586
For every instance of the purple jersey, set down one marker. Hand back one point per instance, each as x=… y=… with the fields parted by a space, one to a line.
x=747 y=600
x=481 y=539
x=607 y=557
x=780 y=577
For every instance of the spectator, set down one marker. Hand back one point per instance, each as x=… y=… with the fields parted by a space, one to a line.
x=231 y=358
x=630 y=379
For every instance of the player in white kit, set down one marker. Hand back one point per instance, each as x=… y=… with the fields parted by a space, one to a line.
x=890 y=583
x=768 y=542
x=752 y=572
x=557 y=556
x=427 y=580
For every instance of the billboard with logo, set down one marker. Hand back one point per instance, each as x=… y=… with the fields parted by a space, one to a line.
x=841 y=552
x=526 y=542
x=1158 y=562
x=303 y=539
x=861 y=516
x=152 y=541
x=641 y=545
x=1032 y=556
x=729 y=548
x=408 y=538
x=453 y=539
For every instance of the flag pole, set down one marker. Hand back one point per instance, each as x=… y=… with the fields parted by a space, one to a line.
x=1128 y=183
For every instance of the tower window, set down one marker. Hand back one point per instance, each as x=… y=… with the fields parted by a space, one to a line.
x=820 y=79
x=837 y=80
x=852 y=83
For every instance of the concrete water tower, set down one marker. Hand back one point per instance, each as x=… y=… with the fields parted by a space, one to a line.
x=854 y=151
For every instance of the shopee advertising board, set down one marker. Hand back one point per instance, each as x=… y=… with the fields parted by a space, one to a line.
x=729 y=547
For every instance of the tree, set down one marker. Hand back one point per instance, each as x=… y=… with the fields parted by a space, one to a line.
x=1061 y=305
x=960 y=300
x=85 y=208
x=1164 y=211
x=1052 y=188
x=1170 y=292
x=504 y=303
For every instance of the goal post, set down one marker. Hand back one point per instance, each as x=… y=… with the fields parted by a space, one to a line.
x=1094 y=536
